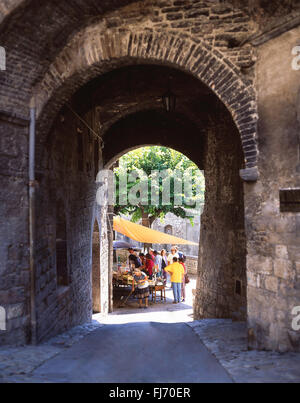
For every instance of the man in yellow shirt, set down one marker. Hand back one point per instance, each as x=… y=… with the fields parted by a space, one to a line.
x=177 y=272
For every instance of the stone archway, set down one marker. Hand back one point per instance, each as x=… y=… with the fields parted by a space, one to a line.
x=72 y=71
x=92 y=55
x=89 y=57
x=217 y=42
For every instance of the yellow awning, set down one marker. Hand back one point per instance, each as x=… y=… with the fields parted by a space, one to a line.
x=143 y=234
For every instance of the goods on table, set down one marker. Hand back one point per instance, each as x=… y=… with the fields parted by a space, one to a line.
x=124 y=278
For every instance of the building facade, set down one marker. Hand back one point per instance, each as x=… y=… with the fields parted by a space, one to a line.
x=82 y=85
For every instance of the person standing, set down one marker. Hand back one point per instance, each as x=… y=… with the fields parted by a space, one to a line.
x=181 y=261
x=172 y=255
x=151 y=253
x=133 y=259
x=143 y=260
x=142 y=289
x=164 y=264
x=158 y=263
x=149 y=266
x=180 y=254
x=177 y=272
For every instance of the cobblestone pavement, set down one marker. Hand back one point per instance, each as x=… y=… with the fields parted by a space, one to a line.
x=17 y=363
x=224 y=338
x=227 y=341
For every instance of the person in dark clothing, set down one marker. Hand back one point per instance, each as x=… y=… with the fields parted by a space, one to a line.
x=133 y=259
x=149 y=266
x=164 y=264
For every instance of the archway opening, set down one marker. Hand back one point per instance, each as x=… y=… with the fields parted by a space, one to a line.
x=120 y=111
x=158 y=188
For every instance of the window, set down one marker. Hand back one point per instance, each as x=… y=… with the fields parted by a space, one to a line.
x=238 y=287
x=290 y=200
x=169 y=230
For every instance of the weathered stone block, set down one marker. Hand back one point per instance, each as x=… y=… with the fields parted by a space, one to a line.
x=15 y=311
x=283 y=268
x=174 y=16
x=285 y=224
x=282 y=252
x=251 y=279
x=260 y=264
x=271 y=283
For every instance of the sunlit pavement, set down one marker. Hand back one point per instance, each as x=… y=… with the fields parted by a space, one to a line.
x=162 y=312
x=137 y=346
x=115 y=349
x=136 y=353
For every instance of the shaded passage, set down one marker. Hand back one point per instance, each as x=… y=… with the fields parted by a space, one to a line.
x=136 y=352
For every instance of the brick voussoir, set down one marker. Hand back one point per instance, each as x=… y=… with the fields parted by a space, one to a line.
x=211 y=66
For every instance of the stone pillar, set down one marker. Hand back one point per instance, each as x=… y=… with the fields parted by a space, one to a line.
x=221 y=284
x=104 y=261
x=96 y=274
x=111 y=258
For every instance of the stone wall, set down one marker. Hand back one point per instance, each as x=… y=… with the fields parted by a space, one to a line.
x=181 y=228
x=65 y=173
x=96 y=285
x=68 y=175
x=274 y=237
x=192 y=265
x=14 y=265
x=222 y=256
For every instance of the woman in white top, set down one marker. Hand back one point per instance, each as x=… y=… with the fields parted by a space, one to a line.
x=172 y=255
x=142 y=287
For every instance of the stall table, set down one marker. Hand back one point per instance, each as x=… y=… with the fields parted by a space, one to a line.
x=155 y=289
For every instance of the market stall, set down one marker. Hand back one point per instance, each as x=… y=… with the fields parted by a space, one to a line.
x=147 y=235
x=122 y=275
x=124 y=280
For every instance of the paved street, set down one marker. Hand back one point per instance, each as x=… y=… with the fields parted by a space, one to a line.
x=136 y=352
x=162 y=344
x=133 y=345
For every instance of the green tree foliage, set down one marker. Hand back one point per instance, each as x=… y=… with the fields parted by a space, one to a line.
x=144 y=164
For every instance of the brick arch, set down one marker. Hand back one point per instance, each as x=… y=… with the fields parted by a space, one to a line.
x=8 y=7
x=93 y=55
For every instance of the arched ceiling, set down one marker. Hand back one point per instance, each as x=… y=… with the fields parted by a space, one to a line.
x=128 y=106
x=154 y=127
x=131 y=89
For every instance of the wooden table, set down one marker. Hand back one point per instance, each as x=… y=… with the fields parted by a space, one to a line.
x=156 y=288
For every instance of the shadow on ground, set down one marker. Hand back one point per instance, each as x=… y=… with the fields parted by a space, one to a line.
x=136 y=353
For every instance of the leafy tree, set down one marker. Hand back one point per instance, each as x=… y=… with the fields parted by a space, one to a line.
x=137 y=175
